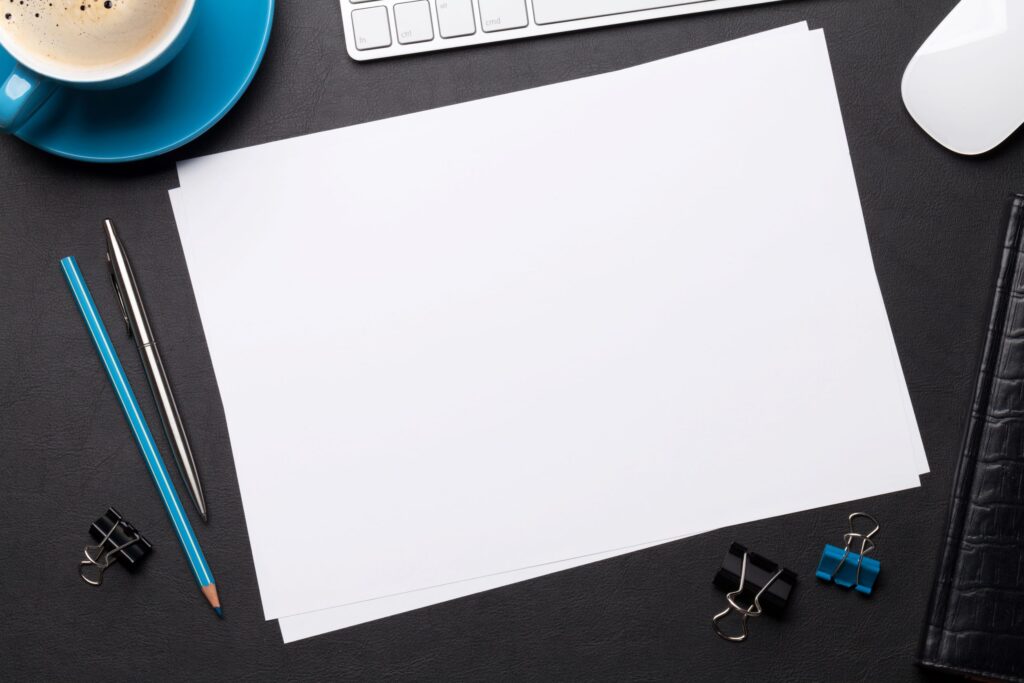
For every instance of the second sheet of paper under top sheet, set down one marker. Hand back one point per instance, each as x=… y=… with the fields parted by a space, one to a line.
x=580 y=356
x=295 y=627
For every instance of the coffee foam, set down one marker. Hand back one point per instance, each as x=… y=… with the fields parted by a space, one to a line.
x=88 y=35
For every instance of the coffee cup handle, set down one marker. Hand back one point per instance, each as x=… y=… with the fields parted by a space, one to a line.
x=22 y=92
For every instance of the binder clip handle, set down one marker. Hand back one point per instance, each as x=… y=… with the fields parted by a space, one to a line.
x=739 y=638
x=91 y=568
x=853 y=534
x=745 y=613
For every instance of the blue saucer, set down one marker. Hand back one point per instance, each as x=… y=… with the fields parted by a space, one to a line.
x=175 y=106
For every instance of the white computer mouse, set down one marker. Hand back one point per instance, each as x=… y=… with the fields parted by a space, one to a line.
x=965 y=86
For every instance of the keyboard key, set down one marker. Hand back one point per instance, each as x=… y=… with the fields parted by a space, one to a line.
x=553 y=11
x=371 y=28
x=455 y=18
x=501 y=15
x=412 y=22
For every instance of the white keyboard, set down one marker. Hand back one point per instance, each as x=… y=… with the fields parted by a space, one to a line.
x=387 y=28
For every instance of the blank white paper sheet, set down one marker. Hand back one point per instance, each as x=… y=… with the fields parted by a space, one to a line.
x=466 y=359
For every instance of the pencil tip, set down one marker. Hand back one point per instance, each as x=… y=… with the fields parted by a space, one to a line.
x=210 y=591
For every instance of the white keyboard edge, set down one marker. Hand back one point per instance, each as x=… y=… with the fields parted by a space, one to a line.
x=481 y=37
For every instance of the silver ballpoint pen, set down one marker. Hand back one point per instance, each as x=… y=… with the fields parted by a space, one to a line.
x=137 y=321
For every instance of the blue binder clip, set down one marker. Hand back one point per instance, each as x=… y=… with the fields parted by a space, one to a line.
x=837 y=564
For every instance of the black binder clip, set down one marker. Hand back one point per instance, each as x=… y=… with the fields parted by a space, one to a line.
x=766 y=585
x=836 y=564
x=117 y=540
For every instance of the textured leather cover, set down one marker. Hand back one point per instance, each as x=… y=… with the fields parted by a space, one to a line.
x=976 y=617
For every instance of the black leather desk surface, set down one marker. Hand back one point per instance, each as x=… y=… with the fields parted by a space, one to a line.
x=935 y=230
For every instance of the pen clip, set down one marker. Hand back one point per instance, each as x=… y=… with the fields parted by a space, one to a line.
x=120 y=297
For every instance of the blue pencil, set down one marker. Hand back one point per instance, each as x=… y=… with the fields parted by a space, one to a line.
x=140 y=430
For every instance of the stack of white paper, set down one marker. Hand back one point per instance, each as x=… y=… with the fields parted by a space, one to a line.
x=483 y=343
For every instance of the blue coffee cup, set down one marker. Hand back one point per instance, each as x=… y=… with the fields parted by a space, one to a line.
x=34 y=78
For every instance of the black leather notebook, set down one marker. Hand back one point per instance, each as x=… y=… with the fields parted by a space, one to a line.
x=976 y=616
